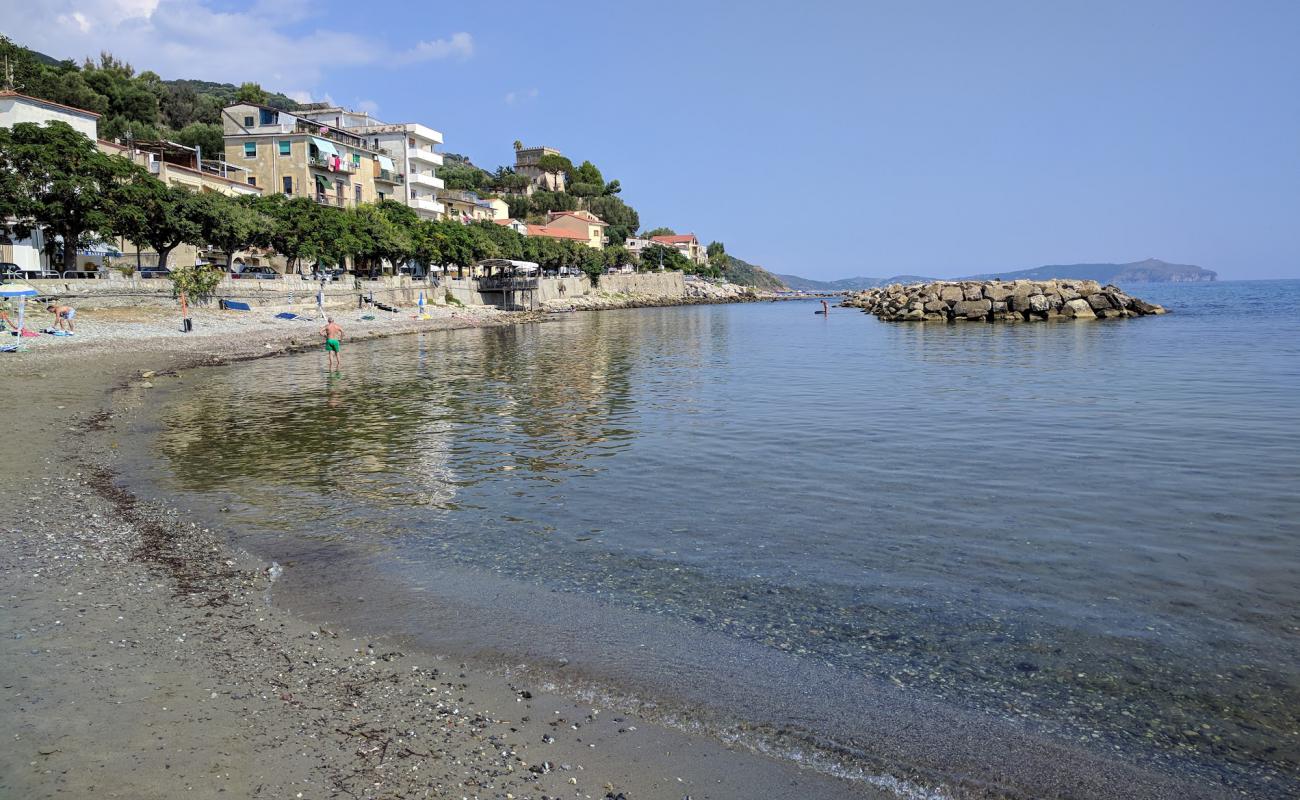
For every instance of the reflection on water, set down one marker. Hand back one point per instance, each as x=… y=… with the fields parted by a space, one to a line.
x=1092 y=526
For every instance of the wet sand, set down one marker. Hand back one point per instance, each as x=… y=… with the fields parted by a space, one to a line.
x=142 y=656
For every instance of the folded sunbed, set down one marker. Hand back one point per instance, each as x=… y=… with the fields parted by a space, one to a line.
x=235 y=305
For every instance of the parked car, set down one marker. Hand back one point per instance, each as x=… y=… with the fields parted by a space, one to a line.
x=10 y=270
x=155 y=272
x=334 y=274
x=256 y=272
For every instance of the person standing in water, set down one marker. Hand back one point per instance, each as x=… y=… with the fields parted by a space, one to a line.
x=333 y=341
x=826 y=308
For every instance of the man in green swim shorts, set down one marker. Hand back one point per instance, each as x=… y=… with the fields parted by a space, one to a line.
x=333 y=341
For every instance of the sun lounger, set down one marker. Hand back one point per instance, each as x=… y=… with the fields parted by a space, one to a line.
x=8 y=348
x=235 y=305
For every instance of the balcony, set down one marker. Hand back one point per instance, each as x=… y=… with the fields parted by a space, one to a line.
x=424 y=156
x=321 y=162
x=426 y=204
x=424 y=179
x=331 y=200
x=327 y=132
x=388 y=176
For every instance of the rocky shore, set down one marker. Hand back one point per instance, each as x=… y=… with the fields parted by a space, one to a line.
x=697 y=293
x=1000 y=301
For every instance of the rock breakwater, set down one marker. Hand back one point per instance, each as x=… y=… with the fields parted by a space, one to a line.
x=1000 y=301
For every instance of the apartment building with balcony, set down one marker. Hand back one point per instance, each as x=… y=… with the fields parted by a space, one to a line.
x=409 y=152
x=287 y=153
x=687 y=243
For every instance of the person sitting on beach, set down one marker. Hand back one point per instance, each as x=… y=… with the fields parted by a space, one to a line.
x=63 y=316
x=333 y=341
x=5 y=321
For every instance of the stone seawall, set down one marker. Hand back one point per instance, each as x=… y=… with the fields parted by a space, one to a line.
x=1000 y=301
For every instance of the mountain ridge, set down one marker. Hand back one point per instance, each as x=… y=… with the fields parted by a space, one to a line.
x=1150 y=270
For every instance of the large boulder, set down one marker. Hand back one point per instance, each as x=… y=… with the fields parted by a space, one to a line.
x=1077 y=309
x=973 y=309
x=972 y=293
x=1099 y=301
x=997 y=291
x=936 y=306
x=1039 y=303
x=951 y=293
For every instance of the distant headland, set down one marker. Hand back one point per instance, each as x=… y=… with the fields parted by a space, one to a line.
x=1152 y=270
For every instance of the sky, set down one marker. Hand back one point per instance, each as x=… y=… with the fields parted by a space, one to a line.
x=824 y=139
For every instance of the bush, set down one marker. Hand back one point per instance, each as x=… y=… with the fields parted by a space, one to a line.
x=198 y=283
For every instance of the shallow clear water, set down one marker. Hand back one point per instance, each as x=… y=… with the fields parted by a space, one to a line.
x=1092 y=529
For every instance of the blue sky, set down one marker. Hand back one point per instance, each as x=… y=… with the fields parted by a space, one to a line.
x=822 y=139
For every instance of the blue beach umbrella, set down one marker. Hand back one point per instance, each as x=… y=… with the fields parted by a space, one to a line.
x=22 y=291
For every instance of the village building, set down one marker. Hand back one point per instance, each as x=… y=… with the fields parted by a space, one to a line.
x=526 y=164
x=409 y=157
x=588 y=225
x=687 y=244
x=517 y=225
x=281 y=152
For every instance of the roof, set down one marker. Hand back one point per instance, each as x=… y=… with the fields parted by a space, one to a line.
x=555 y=233
x=585 y=216
x=680 y=238
x=74 y=109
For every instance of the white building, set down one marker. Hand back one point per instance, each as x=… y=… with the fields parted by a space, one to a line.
x=16 y=108
x=410 y=149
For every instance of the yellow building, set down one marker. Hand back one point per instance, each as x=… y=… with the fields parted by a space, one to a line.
x=286 y=154
x=591 y=227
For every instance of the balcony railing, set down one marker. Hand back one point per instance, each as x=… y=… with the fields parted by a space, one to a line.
x=315 y=129
x=388 y=176
x=321 y=162
x=331 y=200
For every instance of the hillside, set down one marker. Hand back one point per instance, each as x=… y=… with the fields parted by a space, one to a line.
x=846 y=284
x=746 y=274
x=1152 y=270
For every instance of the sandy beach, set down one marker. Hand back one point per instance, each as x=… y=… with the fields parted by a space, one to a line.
x=143 y=657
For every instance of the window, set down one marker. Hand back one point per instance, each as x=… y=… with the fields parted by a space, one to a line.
x=356 y=159
x=286 y=148
x=410 y=141
x=250 y=149
x=267 y=116
x=248 y=122
x=288 y=184
x=252 y=181
x=357 y=187
x=381 y=195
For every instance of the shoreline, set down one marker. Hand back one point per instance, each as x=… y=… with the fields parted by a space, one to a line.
x=145 y=656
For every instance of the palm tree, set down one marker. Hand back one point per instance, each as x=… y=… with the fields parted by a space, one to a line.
x=518 y=145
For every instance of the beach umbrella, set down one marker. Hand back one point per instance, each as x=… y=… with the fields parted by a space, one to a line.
x=22 y=291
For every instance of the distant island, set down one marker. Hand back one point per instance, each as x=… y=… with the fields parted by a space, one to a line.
x=1152 y=270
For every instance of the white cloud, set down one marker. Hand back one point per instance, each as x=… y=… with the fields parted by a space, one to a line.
x=192 y=39
x=513 y=97
x=459 y=46
x=368 y=106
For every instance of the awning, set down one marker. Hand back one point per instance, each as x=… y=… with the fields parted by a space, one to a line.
x=387 y=163
x=322 y=183
x=324 y=146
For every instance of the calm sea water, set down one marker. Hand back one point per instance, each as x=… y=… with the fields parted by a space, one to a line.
x=799 y=525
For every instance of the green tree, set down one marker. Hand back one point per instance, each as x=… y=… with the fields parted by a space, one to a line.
x=670 y=257
x=230 y=224
x=148 y=211
x=251 y=93
x=208 y=138
x=377 y=235
x=622 y=218
x=658 y=232
x=715 y=250
x=292 y=222
x=63 y=185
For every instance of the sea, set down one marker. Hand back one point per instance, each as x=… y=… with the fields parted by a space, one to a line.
x=914 y=554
